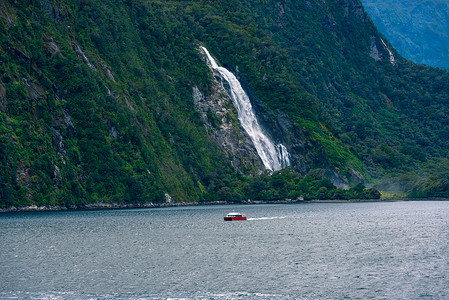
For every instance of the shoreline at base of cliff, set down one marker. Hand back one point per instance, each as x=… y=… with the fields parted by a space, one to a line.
x=109 y=206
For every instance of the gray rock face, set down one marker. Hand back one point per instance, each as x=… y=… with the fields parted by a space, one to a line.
x=374 y=52
x=283 y=130
x=3 y=102
x=221 y=122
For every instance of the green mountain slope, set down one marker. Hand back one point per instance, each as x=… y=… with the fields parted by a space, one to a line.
x=390 y=112
x=419 y=30
x=92 y=114
x=97 y=102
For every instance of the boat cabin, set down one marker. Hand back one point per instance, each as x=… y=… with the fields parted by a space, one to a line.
x=234 y=216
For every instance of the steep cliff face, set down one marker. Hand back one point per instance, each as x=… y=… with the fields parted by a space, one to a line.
x=221 y=122
x=84 y=118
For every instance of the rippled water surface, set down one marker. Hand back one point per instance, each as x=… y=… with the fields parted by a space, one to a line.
x=393 y=250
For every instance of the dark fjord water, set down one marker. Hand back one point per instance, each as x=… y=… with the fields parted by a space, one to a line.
x=303 y=251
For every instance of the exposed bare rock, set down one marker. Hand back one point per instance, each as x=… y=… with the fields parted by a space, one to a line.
x=83 y=56
x=107 y=69
x=221 y=122
x=3 y=102
x=51 y=47
x=7 y=13
x=374 y=52
x=34 y=90
x=390 y=53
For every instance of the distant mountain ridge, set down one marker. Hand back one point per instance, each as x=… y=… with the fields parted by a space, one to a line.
x=419 y=30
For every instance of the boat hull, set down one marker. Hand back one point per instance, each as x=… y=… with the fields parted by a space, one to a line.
x=235 y=218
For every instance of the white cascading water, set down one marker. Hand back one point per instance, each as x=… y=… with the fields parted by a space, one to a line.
x=274 y=157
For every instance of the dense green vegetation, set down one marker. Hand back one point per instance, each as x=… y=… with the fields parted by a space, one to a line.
x=287 y=184
x=87 y=136
x=96 y=101
x=394 y=116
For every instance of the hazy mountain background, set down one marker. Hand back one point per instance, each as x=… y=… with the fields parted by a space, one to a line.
x=419 y=30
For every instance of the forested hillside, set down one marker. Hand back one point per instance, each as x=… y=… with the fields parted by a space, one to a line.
x=97 y=102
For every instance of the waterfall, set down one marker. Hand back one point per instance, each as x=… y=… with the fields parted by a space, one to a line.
x=274 y=157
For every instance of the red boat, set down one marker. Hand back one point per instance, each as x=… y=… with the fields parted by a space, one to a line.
x=235 y=217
